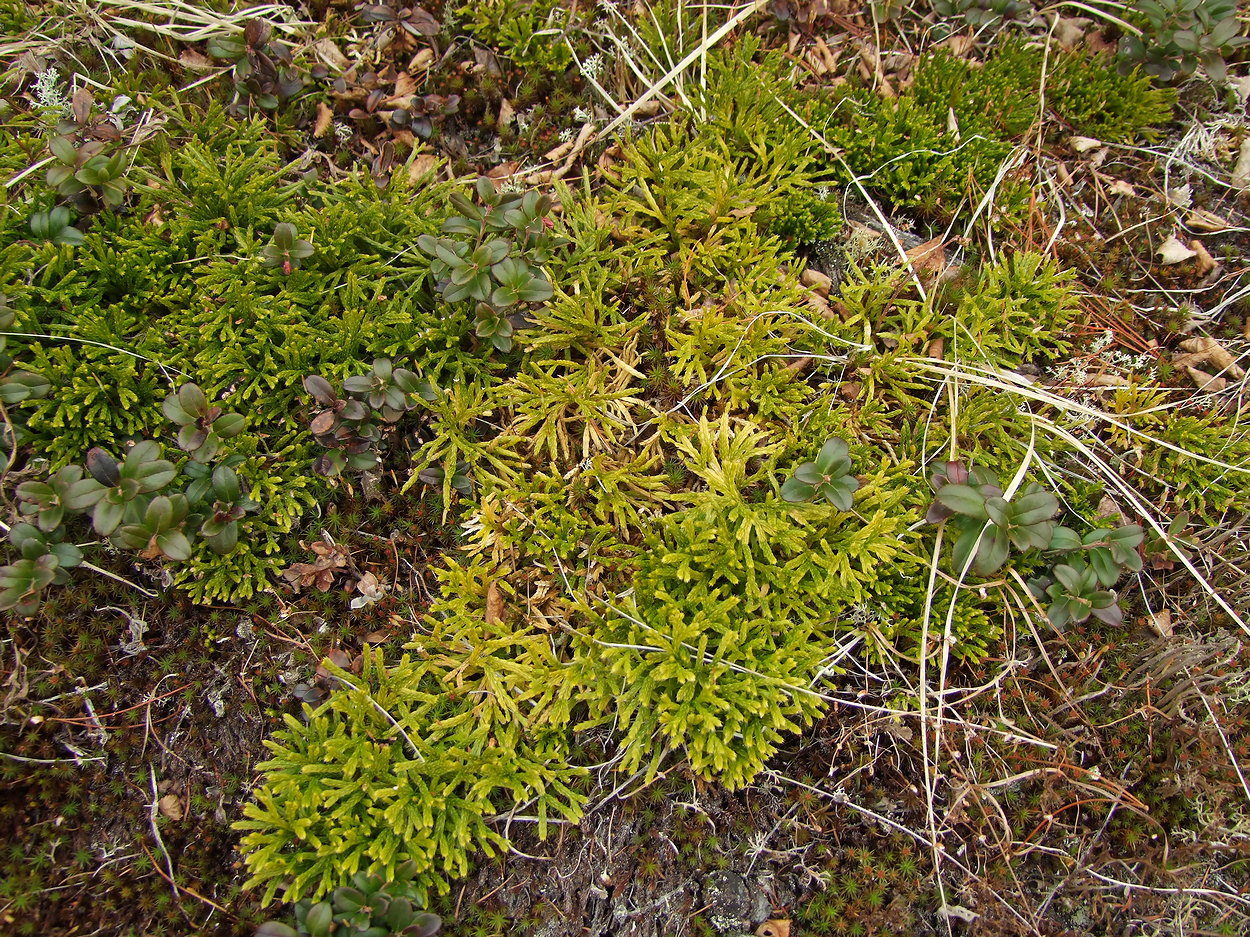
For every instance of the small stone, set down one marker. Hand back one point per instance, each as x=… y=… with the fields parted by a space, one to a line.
x=728 y=900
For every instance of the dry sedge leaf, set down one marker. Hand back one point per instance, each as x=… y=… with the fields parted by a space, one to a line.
x=1173 y=251
x=1207 y=221
x=171 y=806
x=778 y=927
x=325 y=119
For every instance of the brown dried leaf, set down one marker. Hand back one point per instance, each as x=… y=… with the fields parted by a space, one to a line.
x=369 y=586
x=486 y=62
x=1070 y=31
x=1172 y=251
x=421 y=166
x=1109 y=380
x=1204 y=263
x=959 y=45
x=778 y=927
x=1204 y=348
x=504 y=170
x=320 y=572
x=494 y=603
x=405 y=86
x=328 y=52
x=1207 y=221
x=819 y=305
x=195 y=61
x=1161 y=623
x=171 y=806
x=325 y=119
x=928 y=260
x=338 y=657
x=817 y=281
x=1205 y=382
x=81 y=104
x=1241 y=169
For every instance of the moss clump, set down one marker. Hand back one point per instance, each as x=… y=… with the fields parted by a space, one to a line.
x=177 y=290
x=402 y=764
x=947 y=140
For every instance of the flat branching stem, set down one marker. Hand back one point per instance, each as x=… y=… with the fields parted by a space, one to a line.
x=855 y=703
x=888 y=228
x=382 y=712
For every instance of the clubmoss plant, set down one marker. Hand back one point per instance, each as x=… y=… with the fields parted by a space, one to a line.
x=392 y=769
